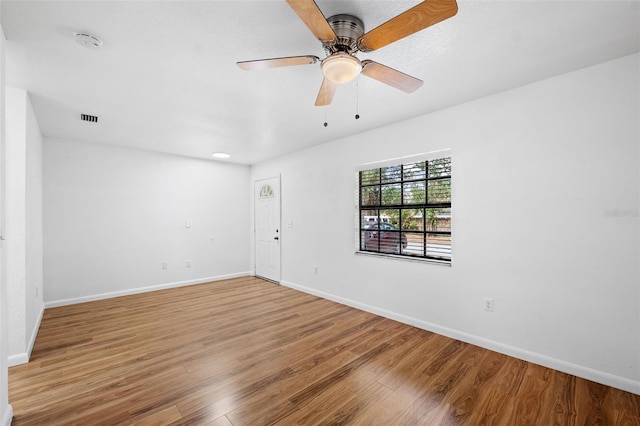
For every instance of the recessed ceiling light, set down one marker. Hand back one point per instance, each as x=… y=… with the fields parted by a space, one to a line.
x=88 y=40
x=221 y=155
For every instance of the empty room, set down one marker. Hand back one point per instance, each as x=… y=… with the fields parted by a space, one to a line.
x=357 y=212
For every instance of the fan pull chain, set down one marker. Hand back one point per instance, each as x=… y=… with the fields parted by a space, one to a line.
x=357 y=93
x=325 y=106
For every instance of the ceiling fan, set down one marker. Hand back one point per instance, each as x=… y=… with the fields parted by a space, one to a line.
x=342 y=36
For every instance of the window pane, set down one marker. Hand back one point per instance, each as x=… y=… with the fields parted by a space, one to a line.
x=389 y=241
x=412 y=219
x=371 y=196
x=439 y=191
x=414 y=192
x=390 y=217
x=439 y=246
x=391 y=174
x=369 y=218
x=368 y=240
x=369 y=176
x=414 y=244
x=391 y=194
x=438 y=220
x=414 y=171
x=440 y=167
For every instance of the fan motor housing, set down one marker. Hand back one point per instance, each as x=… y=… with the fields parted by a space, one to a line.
x=348 y=29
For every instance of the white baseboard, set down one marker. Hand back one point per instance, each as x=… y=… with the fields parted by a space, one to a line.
x=536 y=358
x=8 y=415
x=34 y=333
x=23 y=358
x=17 y=359
x=101 y=296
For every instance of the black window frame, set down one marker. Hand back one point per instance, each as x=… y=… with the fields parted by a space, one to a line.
x=368 y=231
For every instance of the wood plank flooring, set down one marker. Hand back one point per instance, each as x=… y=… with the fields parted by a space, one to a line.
x=249 y=352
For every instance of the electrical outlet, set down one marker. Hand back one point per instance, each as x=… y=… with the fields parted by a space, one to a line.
x=488 y=304
x=165 y=265
x=315 y=270
x=188 y=264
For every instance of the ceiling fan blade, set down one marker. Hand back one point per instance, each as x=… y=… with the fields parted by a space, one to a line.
x=278 y=62
x=325 y=95
x=390 y=76
x=419 y=17
x=312 y=16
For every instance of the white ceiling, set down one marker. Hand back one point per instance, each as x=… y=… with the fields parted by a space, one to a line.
x=165 y=79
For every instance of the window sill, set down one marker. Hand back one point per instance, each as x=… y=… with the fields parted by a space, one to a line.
x=405 y=258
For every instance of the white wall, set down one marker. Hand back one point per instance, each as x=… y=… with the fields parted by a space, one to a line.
x=23 y=224
x=34 y=300
x=114 y=215
x=545 y=220
x=16 y=107
x=6 y=411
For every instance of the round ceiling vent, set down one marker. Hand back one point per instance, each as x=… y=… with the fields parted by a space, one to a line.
x=88 y=40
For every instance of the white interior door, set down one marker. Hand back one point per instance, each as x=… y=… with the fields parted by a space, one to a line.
x=267 y=228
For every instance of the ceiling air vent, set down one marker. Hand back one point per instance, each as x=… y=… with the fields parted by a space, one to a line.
x=90 y=118
x=88 y=40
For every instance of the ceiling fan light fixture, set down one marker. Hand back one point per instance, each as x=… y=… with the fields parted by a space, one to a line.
x=341 y=67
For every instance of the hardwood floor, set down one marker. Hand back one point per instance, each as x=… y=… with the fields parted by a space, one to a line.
x=249 y=352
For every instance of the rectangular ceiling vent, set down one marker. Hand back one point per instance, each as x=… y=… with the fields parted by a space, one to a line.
x=90 y=118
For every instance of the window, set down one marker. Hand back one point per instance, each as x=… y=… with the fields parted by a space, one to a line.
x=405 y=210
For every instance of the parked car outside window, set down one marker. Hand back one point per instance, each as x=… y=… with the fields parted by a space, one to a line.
x=385 y=238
